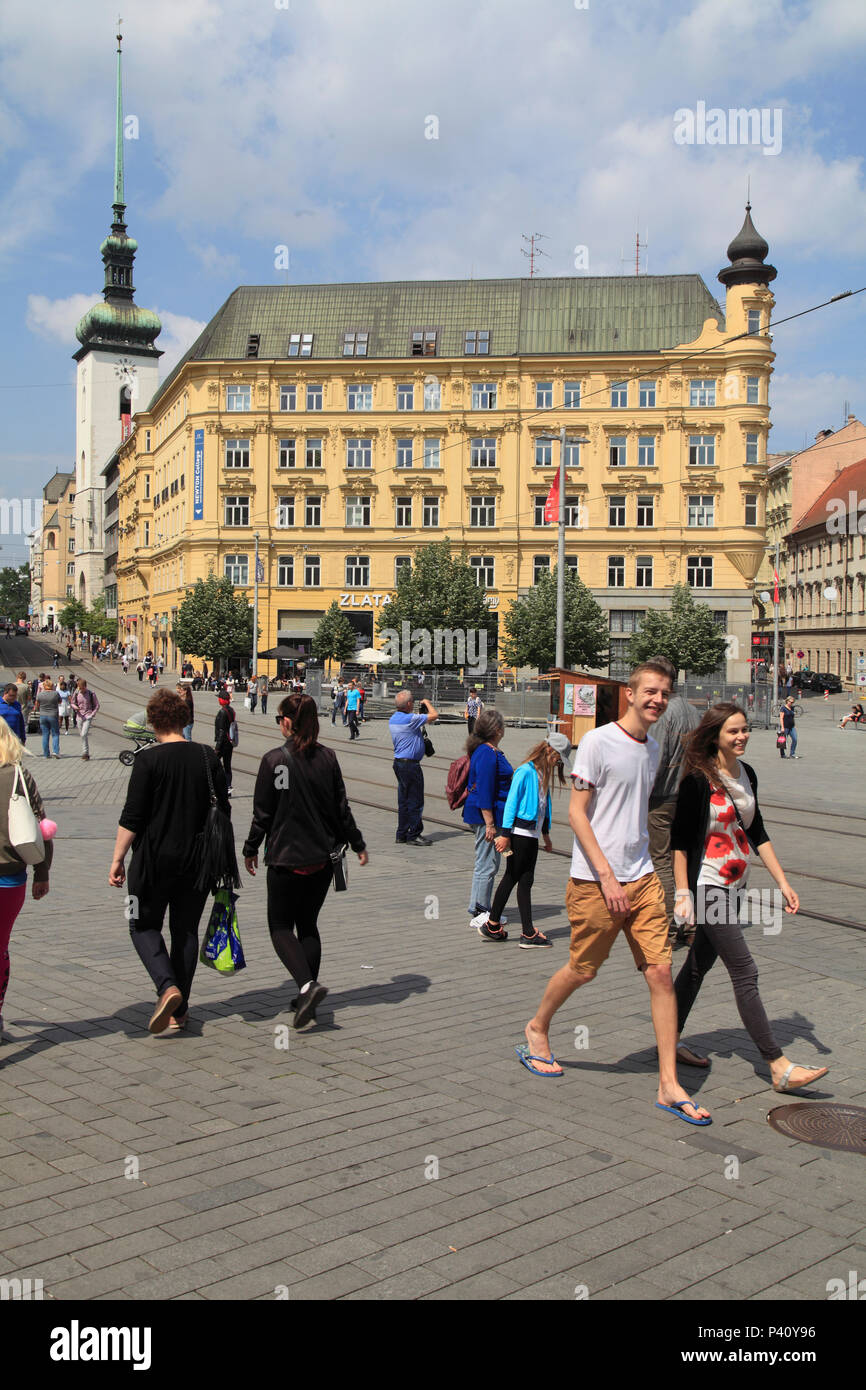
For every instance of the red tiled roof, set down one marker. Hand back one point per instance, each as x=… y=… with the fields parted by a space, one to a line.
x=848 y=480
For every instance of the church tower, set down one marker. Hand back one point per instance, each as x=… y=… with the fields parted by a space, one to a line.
x=117 y=375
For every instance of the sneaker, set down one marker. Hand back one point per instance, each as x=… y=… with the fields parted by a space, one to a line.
x=528 y=943
x=419 y=840
x=497 y=935
x=308 y=1001
x=481 y=917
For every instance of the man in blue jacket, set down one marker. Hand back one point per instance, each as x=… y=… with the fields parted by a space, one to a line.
x=11 y=711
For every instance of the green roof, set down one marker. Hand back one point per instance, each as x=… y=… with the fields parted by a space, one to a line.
x=580 y=314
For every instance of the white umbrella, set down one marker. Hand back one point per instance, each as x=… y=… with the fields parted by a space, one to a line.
x=370 y=657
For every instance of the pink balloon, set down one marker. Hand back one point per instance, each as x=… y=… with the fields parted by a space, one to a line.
x=48 y=828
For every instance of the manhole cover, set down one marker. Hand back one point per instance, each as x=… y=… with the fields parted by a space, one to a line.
x=828 y=1126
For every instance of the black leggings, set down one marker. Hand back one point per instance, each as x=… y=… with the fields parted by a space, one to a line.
x=519 y=869
x=225 y=756
x=147 y=908
x=294 y=904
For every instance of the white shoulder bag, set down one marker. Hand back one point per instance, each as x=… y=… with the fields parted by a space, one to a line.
x=25 y=835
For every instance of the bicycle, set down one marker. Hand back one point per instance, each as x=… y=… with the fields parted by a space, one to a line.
x=780 y=705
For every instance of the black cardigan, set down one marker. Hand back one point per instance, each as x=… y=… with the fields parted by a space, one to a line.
x=304 y=813
x=692 y=817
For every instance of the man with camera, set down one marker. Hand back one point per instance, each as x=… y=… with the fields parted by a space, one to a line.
x=406 y=729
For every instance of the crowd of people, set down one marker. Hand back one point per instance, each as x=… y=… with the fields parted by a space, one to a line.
x=53 y=705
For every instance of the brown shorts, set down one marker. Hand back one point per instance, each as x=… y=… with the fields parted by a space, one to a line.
x=594 y=928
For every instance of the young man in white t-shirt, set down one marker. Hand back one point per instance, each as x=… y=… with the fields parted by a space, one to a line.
x=613 y=887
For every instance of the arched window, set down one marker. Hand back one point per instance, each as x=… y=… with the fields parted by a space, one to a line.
x=52 y=541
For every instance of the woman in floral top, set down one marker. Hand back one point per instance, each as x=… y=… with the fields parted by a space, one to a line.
x=717 y=831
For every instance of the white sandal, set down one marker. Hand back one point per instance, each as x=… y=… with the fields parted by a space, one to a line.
x=783 y=1084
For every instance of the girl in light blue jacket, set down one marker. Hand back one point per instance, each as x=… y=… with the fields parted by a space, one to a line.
x=527 y=816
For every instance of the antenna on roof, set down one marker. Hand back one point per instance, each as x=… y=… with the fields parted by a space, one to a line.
x=533 y=250
x=846 y=407
x=638 y=247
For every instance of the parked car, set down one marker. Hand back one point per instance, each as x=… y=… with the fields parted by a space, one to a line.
x=825 y=680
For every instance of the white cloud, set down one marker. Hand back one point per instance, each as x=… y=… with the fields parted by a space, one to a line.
x=178 y=333
x=56 y=319
x=810 y=403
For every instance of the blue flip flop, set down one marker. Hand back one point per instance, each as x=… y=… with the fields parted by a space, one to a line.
x=676 y=1108
x=526 y=1057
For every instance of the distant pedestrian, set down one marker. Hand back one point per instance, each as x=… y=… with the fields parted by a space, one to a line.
x=340 y=703
x=405 y=728
x=186 y=695
x=252 y=694
x=263 y=693
x=13 y=870
x=68 y=651
x=10 y=710
x=353 y=696
x=152 y=677
x=48 y=708
x=124 y=662
x=224 y=744
x=787 y=729
x=336 y=688
x=25 y=694
x=161 y=665
x=140 y=669
x=63 y=713
x=474 y=706
x=166 y=809
x=303 y=818
x=86 y=706
x=362 y=699
x=55 y=660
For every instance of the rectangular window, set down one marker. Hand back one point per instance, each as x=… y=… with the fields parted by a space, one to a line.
x=69 y=589
x=147 y=441
x=540 y=503
x=312 y=571
x=285 y=511
x=313 y=453
x=543 y=394
x=237 y=453
x=285 y=570
x=146 y=487
x=482 y=511
x=702 y=451
x=355 y=344
x=617 y=450
x=430 y=514
x=315 y=397
x=476 y=342
x=432 y=448
x=571 y=395
x=572 y=454
x=616 y=511
x=753 y=321
x=423 y=343
x=237 y=511
x=483 y=395
x=619 y=394
x=359 y=396
x=626 y=620
x=359 y=453
x=432 y=394
x=238 y=397
x=72 y=547
x=751 y=500
x=646 y=451
x=313 y=511
x=70 y=568
x=572 y=565
x=544 y=453
x=236 y=568
x=401 y=563
x=572 y=511
x=403 y=511
x=702 y=391
x=288 y=398
x=300 y=344
x=751 y=448
x=646 y=394
x=701 y=511
x=646 y=511
x=357 y=511
x=482 y=453
x=540 y=566
x=404 y=453
x=483 y=565
x=643 y=574
x=616 y=571
x=699 y=571
x=752 y=389
x=287 y=453
x=406 y=397
x=357 y=571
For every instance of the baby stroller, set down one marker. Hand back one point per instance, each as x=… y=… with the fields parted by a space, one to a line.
x=137 y=730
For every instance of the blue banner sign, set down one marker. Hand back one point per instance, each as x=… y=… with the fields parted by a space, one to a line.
x=198 y=477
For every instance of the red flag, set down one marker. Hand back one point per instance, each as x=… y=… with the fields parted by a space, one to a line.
x=775 y=586
x=551 y=506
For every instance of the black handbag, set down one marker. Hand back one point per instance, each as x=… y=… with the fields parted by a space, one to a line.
x=215 y=845
x=429 y=750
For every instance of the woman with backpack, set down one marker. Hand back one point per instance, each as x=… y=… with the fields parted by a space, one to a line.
x=487 y=788
x=225 y=732
x=301 y=810
x=13 y=869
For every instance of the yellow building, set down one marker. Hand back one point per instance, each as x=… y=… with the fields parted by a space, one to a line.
x=52 y=552
x=348 y=425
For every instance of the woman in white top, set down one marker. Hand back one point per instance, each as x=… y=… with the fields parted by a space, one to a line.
x=716 y=831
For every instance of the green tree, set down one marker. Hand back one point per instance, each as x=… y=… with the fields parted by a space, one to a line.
x=687 y=635
x=97 y=624
x=73 y=616
x=335 y=639
x=440 y=591
x=213 y=621
x=14 y=591
x=530 y=626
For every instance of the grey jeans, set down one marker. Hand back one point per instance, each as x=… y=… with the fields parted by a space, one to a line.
x=84 y=727
x=484 y=872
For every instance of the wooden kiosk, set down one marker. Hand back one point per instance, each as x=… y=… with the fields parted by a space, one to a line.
x=579 y=702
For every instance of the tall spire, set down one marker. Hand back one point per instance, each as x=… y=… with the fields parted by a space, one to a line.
x=119 y=204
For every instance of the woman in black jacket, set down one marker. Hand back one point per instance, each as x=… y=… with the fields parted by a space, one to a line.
x=716 y=829
x=167 y=805
x=223 y=745
x=300 y=805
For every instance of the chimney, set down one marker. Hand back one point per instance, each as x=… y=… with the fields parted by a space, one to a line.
x=852 y=420
x=822 y=434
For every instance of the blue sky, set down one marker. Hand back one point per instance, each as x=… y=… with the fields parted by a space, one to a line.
x=263 y=123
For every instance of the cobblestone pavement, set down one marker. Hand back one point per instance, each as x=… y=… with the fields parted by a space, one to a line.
x=397 y=1150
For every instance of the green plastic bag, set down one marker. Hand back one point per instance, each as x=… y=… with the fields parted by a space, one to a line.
x=222 y=949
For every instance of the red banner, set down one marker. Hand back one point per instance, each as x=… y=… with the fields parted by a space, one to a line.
x=551 y=506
